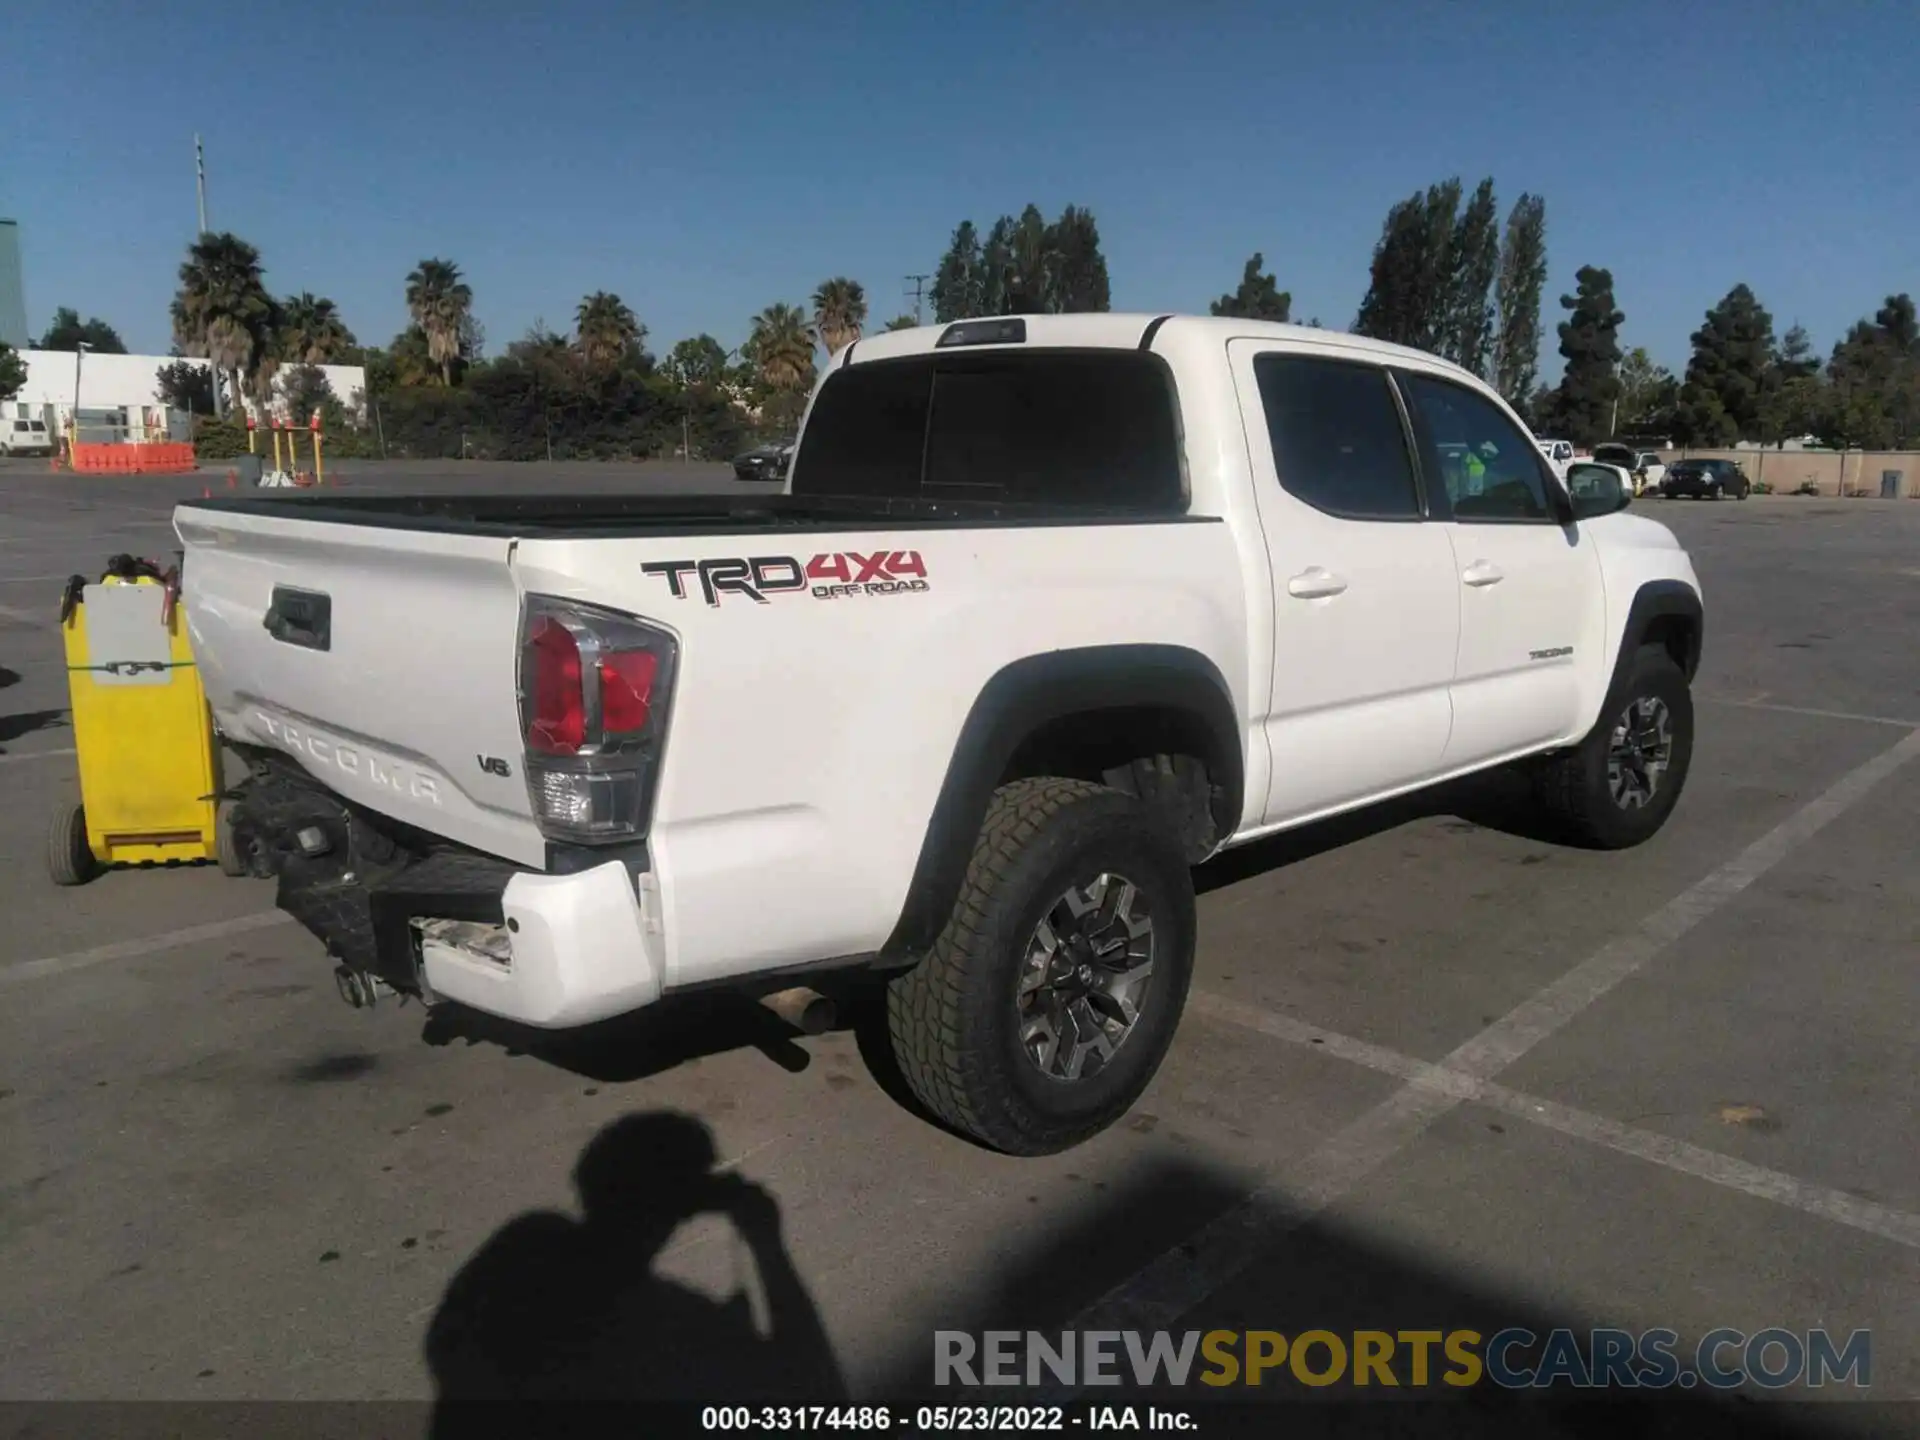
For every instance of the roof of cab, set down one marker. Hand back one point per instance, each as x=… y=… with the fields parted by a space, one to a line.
x=1127 y=331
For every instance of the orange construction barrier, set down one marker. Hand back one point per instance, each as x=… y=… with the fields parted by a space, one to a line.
x=156 y=459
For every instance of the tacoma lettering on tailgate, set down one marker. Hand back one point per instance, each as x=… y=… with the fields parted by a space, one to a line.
x=387 y=774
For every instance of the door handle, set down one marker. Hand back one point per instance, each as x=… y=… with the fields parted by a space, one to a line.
x=1481 y=573
x=1314 y=583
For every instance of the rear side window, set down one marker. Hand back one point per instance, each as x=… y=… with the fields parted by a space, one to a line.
x=1052 y=427
x=1338 y=443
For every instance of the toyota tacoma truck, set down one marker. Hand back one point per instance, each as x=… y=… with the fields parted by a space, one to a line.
x=1049 y=610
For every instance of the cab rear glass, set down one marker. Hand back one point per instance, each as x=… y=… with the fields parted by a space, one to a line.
x=1096 y=428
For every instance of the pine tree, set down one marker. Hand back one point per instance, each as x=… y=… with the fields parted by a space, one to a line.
x=1258 y=298
x=1523 y=273
x=1724 y=394
x=996 y=263
x=1029 y=270
x=1386 y=309
x=1077 y=272
x=1873 y=381
x=1589 y=341
x=1433 y=300
x=1790 y=404
x=960 y=284
x=1476 y=262
x=1409 y=299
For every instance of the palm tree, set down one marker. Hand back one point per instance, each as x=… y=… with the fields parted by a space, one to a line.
x=781 y=348
x=439 y=301
x=412 y=358
x=839 y=313
x=607 y=328
x=311 y=330
x=222 y=311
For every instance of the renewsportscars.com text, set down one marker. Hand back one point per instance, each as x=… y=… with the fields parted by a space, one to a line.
x=1513 y=1358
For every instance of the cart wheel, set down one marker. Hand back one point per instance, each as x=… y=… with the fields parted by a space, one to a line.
x=70 y=859
x=226 y=847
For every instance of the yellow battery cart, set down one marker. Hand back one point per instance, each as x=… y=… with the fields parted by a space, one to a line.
x=149 y=765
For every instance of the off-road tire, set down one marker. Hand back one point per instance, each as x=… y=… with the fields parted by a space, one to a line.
x=952 y=1020
x=70 y=860
x=1572 y=787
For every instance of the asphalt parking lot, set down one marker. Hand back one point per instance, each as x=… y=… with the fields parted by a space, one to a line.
x=1436 y=1073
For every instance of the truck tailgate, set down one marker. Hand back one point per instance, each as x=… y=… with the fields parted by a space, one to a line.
x=391 y=676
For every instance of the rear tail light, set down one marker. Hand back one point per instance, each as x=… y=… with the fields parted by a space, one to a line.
x=594 y=690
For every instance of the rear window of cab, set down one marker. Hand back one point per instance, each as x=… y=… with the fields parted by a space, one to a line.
x=1094 y=427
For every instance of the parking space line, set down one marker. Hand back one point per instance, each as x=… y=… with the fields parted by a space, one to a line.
x=23 y=617
x=1755 y=1180
x=135 y=949
x=1166 y=1288
x=35 y=755
x=1756 y=704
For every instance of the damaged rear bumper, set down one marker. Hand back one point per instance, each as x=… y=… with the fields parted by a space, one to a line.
x=542 y=948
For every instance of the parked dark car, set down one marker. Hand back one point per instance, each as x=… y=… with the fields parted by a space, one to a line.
x=764 y=462
x=1706 y=480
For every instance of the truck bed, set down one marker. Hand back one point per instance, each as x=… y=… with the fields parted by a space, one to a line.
x=562 y=516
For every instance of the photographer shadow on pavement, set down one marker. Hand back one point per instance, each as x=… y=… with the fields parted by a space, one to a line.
x=558 y=1309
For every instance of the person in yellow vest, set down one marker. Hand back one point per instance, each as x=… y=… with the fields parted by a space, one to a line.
x=1473 y=477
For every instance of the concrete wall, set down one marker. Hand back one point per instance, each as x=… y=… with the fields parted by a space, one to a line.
x=111 y=381
x=1787 y=470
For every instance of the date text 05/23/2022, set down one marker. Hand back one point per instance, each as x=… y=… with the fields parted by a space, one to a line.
x=942 y=1419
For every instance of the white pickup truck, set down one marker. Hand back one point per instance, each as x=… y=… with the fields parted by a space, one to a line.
x=1051 y=609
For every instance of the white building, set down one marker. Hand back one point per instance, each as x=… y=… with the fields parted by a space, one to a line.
x=122 y=391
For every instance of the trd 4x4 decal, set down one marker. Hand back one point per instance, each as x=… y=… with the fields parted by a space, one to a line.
x=827 y=577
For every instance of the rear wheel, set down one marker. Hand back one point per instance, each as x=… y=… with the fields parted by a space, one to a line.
x=70 y=859
x=1049 y=1000
x=1618 y=786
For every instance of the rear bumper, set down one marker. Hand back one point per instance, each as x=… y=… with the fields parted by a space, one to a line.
x=547 y=949
x=1687 y=489
x=578 y=949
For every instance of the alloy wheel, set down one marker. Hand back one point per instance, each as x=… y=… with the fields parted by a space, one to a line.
x=1639 y=752
x=1084 y=976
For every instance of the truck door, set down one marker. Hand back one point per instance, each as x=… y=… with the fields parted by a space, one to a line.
x=1528 y=587
x=1366 y=609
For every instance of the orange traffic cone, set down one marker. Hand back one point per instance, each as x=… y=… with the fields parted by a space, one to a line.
x=233 y=477
x=206 y=493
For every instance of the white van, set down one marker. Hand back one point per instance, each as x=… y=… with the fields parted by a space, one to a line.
x=25 y=437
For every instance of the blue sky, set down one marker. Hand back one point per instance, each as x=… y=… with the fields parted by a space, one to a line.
x=705 y=160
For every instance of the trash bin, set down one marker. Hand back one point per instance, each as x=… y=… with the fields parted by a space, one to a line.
x=246 y=470
x=142 y=733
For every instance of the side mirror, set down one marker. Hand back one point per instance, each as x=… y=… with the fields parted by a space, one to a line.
x=1596 y=490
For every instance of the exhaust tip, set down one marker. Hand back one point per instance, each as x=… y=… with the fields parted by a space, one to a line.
x=806 y=1010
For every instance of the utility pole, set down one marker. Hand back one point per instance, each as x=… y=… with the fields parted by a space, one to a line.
x=80 y=349
x=917 y=292
x=200 y=174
